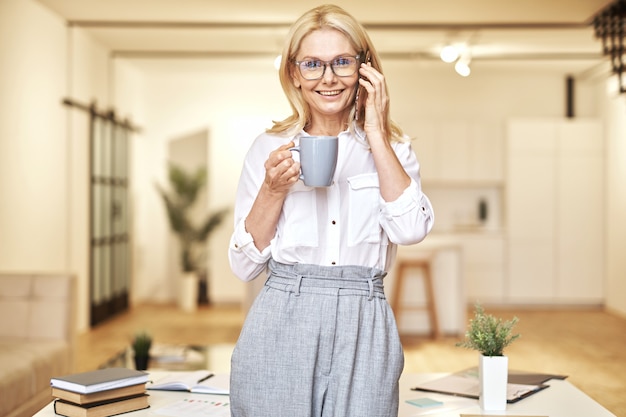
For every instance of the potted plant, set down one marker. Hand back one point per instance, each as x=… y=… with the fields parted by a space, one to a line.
x=185 y=187
x=489 y=336
x=141 y=344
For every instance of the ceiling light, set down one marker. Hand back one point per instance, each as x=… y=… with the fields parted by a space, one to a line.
x=277 y=61
x=449 y=53
x=462 y=67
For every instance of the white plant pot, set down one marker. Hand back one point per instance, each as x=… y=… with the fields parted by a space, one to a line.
x=188 y=295
x=493 y=376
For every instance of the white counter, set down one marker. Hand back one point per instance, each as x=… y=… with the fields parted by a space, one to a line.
x=448 y=287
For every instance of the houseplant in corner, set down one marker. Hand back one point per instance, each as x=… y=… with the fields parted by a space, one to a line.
x=489 y=336
x=185 y=187
x=141 y=344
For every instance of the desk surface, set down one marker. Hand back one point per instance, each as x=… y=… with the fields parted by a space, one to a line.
x=561 y=399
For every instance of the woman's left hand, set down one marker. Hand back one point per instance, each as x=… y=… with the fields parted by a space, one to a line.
x=392 y=177
x=377 y=103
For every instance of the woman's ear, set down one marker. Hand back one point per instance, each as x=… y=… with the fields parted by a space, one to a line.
x=295 y=80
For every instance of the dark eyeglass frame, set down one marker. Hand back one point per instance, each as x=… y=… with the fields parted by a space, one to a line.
x=358 y=57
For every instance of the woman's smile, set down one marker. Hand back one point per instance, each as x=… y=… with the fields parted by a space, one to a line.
x=330 y=94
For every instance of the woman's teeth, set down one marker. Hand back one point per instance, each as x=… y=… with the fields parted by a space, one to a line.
x=330 y=93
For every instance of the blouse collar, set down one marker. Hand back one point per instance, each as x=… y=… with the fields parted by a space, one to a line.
x=359 y=134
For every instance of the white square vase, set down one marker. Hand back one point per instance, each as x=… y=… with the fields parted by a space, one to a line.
x=493 y=377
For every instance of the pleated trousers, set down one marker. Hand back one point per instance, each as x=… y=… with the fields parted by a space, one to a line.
x=318 y=342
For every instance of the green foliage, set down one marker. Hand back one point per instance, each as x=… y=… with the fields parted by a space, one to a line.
x=487 y=334
x=142 y=342
x=185 y=188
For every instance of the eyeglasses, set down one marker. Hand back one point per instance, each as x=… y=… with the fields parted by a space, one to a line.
x=314 y=69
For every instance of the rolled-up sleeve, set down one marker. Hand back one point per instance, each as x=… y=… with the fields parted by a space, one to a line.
x=409 y=218
x=246 y=261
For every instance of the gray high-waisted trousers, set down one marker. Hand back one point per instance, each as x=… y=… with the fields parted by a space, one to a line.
x=318 y=342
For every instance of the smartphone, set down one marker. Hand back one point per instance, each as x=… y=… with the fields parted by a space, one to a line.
x=360 y=95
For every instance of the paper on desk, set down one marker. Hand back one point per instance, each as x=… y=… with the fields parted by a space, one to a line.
x=485 y=415
x=194 y=407
x=448 y=406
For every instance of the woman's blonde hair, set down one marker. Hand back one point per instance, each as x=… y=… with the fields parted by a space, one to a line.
x=323 y=17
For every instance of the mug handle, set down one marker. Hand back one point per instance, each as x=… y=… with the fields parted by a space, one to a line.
x=297 y=149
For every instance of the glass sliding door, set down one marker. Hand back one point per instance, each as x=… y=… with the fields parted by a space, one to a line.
x=120 y=221
x=110 y=260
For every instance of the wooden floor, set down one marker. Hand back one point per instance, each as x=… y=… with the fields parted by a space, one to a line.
x=587 y=345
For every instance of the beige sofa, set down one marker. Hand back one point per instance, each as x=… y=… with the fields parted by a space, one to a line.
x=37 y=331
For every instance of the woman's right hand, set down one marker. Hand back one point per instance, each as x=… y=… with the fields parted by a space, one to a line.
x=281 y=171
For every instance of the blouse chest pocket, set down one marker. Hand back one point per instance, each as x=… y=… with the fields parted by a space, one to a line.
x=364 y=208
x=299 y=217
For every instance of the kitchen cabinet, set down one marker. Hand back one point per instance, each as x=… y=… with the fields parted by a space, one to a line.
x=484 y=266
x=580 y=219
x=554 y=203
x=459 y=151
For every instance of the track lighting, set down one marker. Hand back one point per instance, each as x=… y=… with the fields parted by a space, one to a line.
x=462 y=68
x=449 y=53
x=460 y=55
x=462 y=65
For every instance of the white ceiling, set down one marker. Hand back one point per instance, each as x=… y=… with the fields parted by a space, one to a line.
x=499 y=31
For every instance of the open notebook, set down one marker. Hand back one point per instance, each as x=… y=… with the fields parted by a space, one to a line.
x=201 y=382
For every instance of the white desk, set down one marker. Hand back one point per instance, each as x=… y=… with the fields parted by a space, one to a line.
x=561 y=399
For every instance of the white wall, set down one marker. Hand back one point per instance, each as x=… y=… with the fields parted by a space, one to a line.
x=33 y=141
x=421 y=91
x=616 y=202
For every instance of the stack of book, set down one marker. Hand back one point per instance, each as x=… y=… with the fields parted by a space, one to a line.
x=101 y=393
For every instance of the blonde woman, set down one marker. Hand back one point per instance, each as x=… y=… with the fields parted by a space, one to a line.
x=321 y=339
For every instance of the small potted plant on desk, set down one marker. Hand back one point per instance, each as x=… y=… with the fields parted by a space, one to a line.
x=142 y=342
x=489 y=336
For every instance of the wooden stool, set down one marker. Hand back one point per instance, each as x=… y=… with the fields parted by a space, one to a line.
x=430 y=306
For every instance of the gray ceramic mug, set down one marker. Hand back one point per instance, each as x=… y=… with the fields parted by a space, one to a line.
x=318 y=159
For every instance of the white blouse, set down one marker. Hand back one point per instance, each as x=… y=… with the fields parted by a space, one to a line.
x=347 y=223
